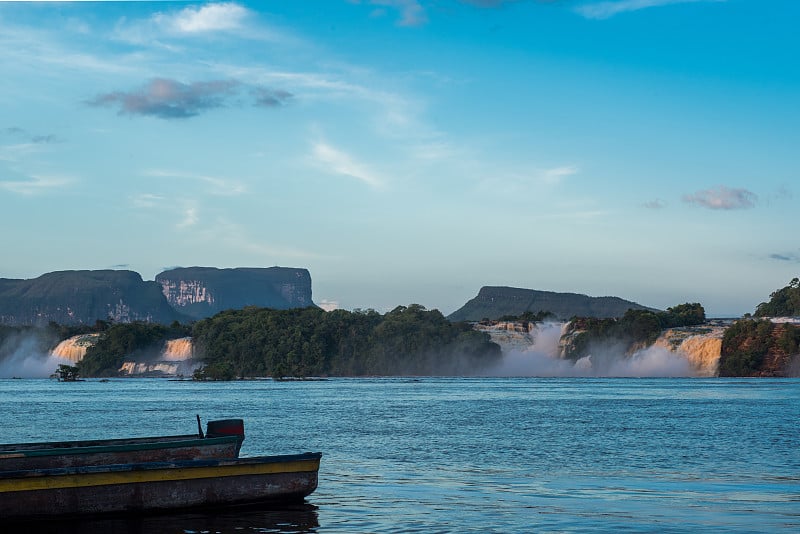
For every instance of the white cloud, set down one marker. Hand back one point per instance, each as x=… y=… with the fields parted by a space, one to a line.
x=208 y=18
x=604 y=10
x=190 y=217
x=336 y=161
x=147 y=200
x=35 y=184
x=557 y=174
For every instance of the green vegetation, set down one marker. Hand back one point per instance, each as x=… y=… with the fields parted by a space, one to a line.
x=744 y=346
x=747 y=342
x=784 y=302
x=67 y=373
x=310 y=342
x=635 y=327
x=529 y=317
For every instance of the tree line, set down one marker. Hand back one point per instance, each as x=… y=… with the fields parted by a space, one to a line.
x=302 y=342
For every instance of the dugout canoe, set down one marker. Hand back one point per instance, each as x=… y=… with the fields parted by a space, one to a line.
x=157 y=486
x=222 y=440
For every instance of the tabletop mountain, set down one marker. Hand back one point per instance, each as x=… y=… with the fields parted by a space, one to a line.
x=201 y=292
x=75 y=297
x=494 y=302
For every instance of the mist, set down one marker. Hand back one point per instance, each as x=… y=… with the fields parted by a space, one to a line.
x=542 y=359
x=25 y=355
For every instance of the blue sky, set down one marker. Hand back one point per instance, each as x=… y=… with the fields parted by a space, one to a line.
x=409 y=151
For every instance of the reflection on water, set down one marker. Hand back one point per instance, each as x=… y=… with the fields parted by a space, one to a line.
x=288 y=520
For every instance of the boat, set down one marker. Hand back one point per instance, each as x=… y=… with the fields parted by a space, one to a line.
x=223 y=439
x=139 y=475
x=135 y=488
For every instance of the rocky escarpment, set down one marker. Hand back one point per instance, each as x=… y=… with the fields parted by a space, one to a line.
x=83 y=297
x=201 y=292
x=496 y=302
x=761 y=348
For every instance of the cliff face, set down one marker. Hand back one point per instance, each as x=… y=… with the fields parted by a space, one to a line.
x=201 y=292
x=495 y=302
x=82 y=297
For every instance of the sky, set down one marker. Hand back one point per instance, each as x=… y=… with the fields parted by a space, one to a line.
x=409 y=151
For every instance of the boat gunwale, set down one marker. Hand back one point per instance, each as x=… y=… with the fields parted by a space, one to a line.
x=66 y=445
x=160 y=465
x=112 y=448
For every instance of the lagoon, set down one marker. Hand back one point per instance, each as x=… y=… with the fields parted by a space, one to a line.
x=467 y=454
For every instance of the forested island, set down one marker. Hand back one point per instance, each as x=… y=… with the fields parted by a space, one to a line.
x=259 y=342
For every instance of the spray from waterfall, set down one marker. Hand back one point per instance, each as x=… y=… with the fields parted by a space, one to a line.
x=24 y=356
x=536 y=352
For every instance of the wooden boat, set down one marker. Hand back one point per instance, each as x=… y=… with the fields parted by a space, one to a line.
x=155 y=486
x=222 y=440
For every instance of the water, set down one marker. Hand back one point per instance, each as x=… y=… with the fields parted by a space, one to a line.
x=467 y=455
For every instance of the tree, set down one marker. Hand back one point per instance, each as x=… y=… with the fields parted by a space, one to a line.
x=67 y=373
x=783 y=302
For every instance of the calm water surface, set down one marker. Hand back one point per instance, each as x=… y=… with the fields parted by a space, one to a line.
x=466 y=455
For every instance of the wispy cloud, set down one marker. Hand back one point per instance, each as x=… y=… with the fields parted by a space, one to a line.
x=337 y=161
x=557 y=174
x=190 y=217
x=237 y=237
x=147 y=200
x=35 y=184
x=170 y=99
x=411 y=11
x=218 y=185
x=607 y=9
x=722 y=198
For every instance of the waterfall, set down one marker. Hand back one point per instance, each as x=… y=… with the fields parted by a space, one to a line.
x=158 y=369
x=177 y=350
x=701 y=346
x=74 y=349
x=174 y=359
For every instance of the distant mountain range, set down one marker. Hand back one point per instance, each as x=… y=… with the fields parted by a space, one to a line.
x=192 y=293
x=494 y=302
x=83 y=297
